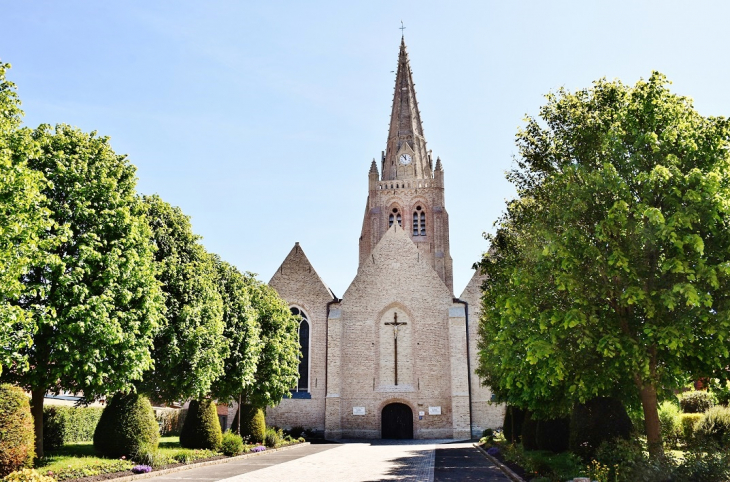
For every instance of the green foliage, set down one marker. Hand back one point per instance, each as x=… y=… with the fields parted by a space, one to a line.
x=696 y=401
x=126 y=427
x=720 y=389
x=621 y=456
x=671 y=425
x=242 y=332
x=170 y=420
x=277 y=369
x=28 y=475
x=512 y=425
x=253 y=423
x=201 y=429
x=715 y=426
x=595 y=422
x=608 y=274
x=16 y=430
x=553 y=434
x=190 y=348
x=545 y=465
x=688 y=423
x=273 y=437
x=63 y=425
x=97 y=467
x=232 y=444
x=23 y=219
x=713 y=466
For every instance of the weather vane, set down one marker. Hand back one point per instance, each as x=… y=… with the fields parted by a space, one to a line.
x=402 y=28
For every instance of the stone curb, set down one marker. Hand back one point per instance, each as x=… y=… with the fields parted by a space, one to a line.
x=171 y=470
x=507 y=471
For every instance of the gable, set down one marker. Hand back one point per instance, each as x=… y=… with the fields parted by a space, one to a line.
x=296 y=279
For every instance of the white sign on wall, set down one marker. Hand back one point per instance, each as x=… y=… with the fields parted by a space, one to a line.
x=358 y=410
x=421 y=414
x=434 y=410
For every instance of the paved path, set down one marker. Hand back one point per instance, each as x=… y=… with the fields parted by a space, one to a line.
x=354 y=461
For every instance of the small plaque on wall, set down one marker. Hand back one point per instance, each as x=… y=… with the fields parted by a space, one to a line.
x=358 y=410
x=434 y=410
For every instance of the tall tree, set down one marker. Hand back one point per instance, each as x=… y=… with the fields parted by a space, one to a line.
x=242 y=332
x=94 y=300
x=277 y=368
x=190 y=347
x=23 y=219
x=610 y=272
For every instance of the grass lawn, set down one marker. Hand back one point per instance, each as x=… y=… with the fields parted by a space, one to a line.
x=79 y=460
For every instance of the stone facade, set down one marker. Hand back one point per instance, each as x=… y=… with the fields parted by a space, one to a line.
x=398 y=335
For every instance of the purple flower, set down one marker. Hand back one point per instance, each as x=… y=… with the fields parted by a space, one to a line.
x=141 y=469
x=493 y=451
x=258 y=448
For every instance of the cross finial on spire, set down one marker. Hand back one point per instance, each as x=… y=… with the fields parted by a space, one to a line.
x=402 y=28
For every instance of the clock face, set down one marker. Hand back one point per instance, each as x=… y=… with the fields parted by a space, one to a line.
x=405 y=159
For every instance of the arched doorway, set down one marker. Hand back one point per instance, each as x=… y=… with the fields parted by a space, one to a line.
x=397 y=421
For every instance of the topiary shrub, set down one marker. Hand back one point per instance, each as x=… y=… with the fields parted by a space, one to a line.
x=127 y=426
x=714 y=426
x=696 y=401
x=688 y=423
x=232 y=444
x=512 y=425
x=253 y=424
x=64 y=425
x=596 y=421
x=553 y=435
x=529 y=431
x=17 y=438
x=201 y=429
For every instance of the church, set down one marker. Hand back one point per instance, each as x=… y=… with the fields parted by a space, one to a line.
x=395 y=356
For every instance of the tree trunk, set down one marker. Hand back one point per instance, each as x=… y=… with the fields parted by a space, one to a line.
x=37 y=396
x=651 y=420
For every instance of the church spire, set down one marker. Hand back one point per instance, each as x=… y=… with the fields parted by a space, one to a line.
x=406 y=155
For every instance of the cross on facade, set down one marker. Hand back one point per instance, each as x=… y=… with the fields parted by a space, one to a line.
x=402 y=28
x=395 y=324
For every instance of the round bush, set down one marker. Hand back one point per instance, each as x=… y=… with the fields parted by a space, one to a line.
x=529 y=432
x=512 y=425
x=127 y=427
x=272 y=438
x=714 y=426
x=553 y=434
x=598 y=420
x=232 y=444
x=670 y=423
x=17 y=439
x=201 y=429
x=696 y=401
x=253 y=424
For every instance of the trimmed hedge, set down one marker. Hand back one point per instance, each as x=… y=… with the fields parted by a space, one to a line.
x=201 y=429
x=553 y=435
x=17 y=438
x=512 y=425
x=127 y=427
x=688 y=423
x=696 y=401
x=232 y=444
x=64 y=425
x=253 y=424
x=599 y=420
x=529 y=432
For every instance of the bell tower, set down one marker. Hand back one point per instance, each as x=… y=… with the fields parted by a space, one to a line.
x=409 y=189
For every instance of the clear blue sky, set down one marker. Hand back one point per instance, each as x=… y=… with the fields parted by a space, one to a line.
x=260 y=119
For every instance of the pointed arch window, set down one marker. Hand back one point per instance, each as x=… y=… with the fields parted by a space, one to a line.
x=395 y=216
x=419 y=222
x=303 y=384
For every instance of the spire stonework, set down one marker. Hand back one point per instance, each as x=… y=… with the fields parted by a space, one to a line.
x=408 y=189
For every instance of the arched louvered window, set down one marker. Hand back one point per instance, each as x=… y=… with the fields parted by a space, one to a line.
x=419 y=222
x=395 y=216
x=303 y=385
